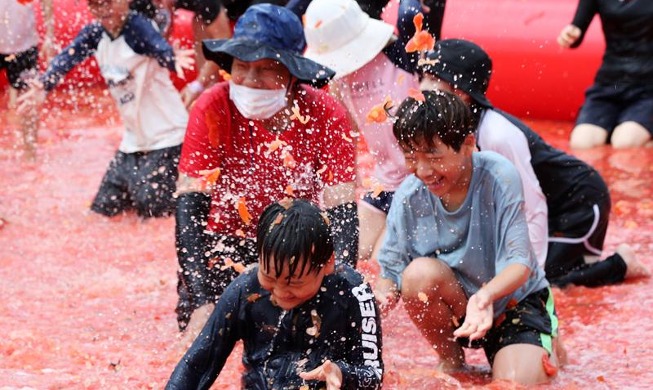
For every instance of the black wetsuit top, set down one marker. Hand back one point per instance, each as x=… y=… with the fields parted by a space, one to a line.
x=628 y=31
x=340 y=323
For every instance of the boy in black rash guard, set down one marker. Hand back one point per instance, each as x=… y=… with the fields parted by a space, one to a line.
x=618 y=106
x=305 y=323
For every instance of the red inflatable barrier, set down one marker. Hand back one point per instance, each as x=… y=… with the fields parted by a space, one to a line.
x=533 y=76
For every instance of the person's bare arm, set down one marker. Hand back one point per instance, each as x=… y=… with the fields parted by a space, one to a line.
x=386 y=294
x=479 y=316
x=208 y=71
x=49 y=48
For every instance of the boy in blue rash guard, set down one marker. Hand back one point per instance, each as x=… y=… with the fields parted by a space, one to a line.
x=457 y=250
x=305 y=322
x=135 y=61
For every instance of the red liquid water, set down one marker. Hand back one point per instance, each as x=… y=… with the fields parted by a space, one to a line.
x=87 y=301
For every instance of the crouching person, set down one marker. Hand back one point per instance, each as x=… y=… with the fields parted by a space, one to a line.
x=457 y=250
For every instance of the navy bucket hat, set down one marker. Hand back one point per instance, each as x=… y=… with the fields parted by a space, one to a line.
x=267 y=31
x=463 y=64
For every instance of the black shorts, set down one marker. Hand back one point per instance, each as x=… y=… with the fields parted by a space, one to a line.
x=531 y=321
x=584 y=217
x=607 y=106
x=143 y=181
x=20 y=66
x=381 y=202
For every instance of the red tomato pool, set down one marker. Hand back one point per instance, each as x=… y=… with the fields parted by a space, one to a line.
x=87 y=301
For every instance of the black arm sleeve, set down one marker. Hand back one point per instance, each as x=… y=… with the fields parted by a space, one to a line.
x=344 y=231
x=82 y=47
x=191 y=243
x=583 y=17
x=363 y=369
x=204 y=360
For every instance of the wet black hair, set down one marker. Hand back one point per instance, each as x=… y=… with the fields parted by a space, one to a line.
x=293 y=232
x=442 y=114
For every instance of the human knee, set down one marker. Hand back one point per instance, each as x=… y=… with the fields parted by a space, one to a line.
x=523 y=364
x=586 y=136
x=629 y=135
x=421 y=275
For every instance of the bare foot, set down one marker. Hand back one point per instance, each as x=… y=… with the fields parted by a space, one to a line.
x=634 y=268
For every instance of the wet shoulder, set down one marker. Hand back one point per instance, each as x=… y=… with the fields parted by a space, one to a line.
x=414 y=195
x=492 y=169
x=495 y=129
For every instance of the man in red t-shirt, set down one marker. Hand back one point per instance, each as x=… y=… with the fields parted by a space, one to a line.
x=261 y=136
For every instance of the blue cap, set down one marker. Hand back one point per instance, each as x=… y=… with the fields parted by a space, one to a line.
x=267 y=31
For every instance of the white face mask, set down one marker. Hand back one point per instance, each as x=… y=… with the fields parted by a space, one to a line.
x=257 y=103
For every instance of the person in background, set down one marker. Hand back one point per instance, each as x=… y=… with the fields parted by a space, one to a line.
x=618 y=107
x=306 y=322
x=209 y=22
x=457 y=252
x=264 y=134
x=364 y=53
x=135 y=62
x=567 y=203
x=19 y=58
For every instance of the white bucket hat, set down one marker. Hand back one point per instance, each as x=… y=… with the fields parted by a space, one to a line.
x=341 y=36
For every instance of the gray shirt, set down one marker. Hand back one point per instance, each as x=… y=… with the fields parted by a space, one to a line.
x=479 y=240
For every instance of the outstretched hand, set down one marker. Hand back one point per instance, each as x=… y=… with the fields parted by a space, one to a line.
x=386 y=294
x=328 y=372
x=479 y=316
x=184 y=59
x=32 y=99
x=568 y=36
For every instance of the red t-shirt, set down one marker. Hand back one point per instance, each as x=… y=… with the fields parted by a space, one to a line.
x=258 y=167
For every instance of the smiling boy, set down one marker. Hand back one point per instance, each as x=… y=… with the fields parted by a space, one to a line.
x=457 y=251
x=304 y=321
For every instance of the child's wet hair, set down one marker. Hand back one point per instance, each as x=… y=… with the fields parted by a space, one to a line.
x=441 y=115
x=293 y=232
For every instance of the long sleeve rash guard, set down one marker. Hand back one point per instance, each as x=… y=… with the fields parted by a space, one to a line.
x=340 y=323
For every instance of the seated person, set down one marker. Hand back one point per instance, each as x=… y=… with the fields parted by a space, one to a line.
x=306 y=323
x=457 y=250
